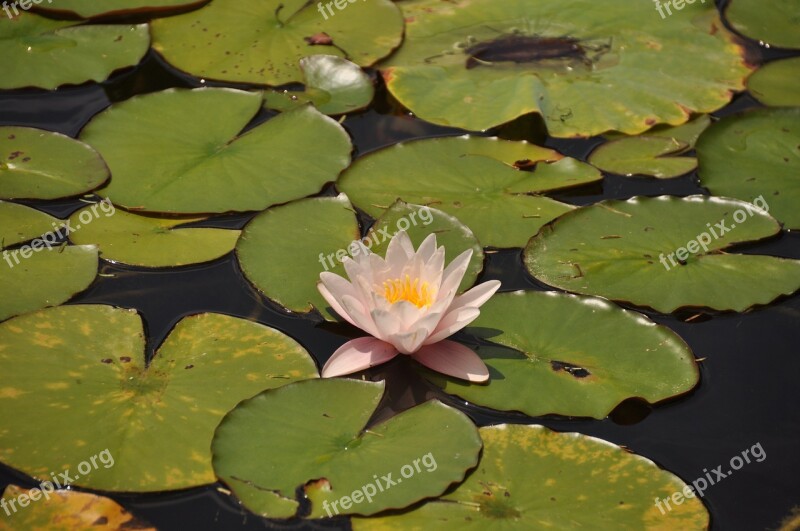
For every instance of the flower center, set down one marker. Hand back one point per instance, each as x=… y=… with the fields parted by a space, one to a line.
x=405 y=290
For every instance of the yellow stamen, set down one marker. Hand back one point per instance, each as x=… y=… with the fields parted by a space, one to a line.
x=405 y=290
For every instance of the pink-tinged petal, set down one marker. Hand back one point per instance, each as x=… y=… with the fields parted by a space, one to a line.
x=453 y=359
x=409 y=342
x=451 y=323
x=337 y=288
x=434 y=268
x=330 y=299
x=478 y=295
x=360 y=317
x=357 y=355
x=386 y=322
x=454 y=272
x=399 y=251
x=427 y=247
x=356 y=269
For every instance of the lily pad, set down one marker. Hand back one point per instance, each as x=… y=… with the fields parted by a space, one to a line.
x=687 y=133
x=776 y=25
x=19 y=223
x=531 y=477
x=547 y=368
x=333 y=85
x=643 y=155
x=478 y=180
x=149 y=241
x=182 y=151
x=86 y=367
x=419 y=222
x=587 y=68
x=93 y=8
x=45 y=53
x=51 y=276
x=648 y=251
x=756 y=153
x=65 y=510
x=273 y=35
x=314 y=435
x=777 y=84
x=37 y=164
x=283 y=250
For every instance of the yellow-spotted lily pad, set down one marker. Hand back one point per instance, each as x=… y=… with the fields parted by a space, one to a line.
x=46 y=509
x=531 y=477
x=85 y=367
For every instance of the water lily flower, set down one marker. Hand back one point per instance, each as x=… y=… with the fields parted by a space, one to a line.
x=407 y=303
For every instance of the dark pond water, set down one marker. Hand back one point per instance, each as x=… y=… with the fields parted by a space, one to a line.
x=749 y=391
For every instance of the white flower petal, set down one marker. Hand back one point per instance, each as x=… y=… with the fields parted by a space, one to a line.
x=454 y=273
x=427 y=247
x=451 y=323
x=357 y=355
x=453 y=359
x=408 y=342
x=360 y=317
x=399 y=251
x=475 y=297
x=330 y=299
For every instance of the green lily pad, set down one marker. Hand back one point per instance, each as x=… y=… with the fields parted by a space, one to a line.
x=777 y=84
x=149 y=241
x=45 y=53
x=648 y=251
x=333 y=85
x=587 y=68
x=19 y=223
x=643 y=155
x=273 y=35
x=776 y=25
x=65 y=510
x=756 y=153
x=51 y=276
x=314 y=435
x=93 y=8
x=549 y=369
x=687 y=133
x=419 y=222
x=475 y=179
x=85 y=365
x=531 y=477
x=182 y=151
x=283 y=250
x=37 y=164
